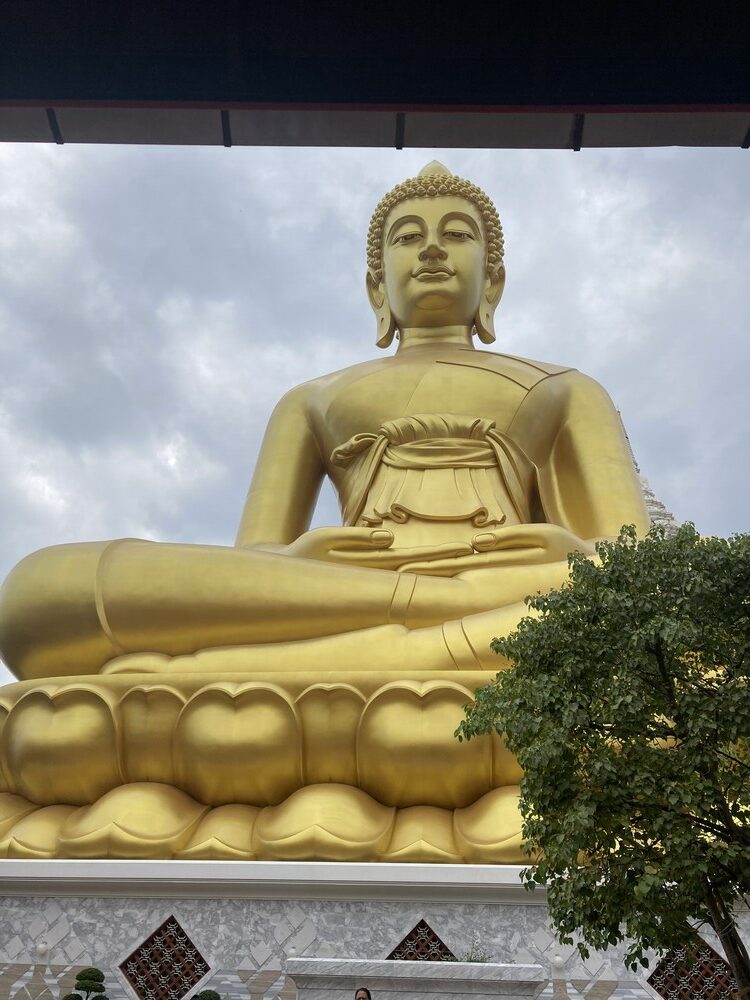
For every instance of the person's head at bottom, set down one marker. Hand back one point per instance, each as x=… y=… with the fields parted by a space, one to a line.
x=362 y=994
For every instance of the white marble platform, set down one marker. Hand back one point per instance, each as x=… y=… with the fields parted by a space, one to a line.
x=328 y=979
x=267 y=880
x=249 y=920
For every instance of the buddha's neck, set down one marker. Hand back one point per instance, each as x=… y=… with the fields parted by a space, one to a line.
x=423 y=336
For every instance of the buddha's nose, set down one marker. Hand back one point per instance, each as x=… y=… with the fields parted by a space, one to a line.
x=432 y=250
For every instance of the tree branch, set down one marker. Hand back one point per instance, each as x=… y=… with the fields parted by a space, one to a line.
x=657 y=650
x=729 y=756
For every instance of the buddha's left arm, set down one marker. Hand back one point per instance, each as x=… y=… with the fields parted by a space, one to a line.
x=588 y=482
x=287 y=479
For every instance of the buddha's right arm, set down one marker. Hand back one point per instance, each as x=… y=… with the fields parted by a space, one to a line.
x=287 y=479
x=569 y=427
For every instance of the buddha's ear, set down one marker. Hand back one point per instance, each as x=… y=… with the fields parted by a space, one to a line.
x=379 y=302
x=484 y=321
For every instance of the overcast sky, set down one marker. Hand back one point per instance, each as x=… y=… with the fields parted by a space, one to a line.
x=156 y=302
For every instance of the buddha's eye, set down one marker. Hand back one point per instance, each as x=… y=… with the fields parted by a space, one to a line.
x=457 y=234
x=407 y=237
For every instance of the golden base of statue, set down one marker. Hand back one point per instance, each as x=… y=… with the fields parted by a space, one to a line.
x=295 y=697
x=303 y=768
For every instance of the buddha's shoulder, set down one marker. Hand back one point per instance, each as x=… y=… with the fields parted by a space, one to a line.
x=550 y=382
x=524 y=372
x=522 y=369
x=334 y=381
x=501 y=364
x=308 y=393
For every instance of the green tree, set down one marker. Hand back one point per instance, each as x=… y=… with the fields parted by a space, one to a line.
x=627 y=703
x=89 y=983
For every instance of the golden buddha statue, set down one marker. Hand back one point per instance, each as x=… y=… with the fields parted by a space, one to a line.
x=295 y=696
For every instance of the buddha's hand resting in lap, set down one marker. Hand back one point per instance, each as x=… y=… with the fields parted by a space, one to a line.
x=371 y=548
x=516 y=545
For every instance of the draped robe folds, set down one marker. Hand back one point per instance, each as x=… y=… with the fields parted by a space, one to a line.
x=436 y=467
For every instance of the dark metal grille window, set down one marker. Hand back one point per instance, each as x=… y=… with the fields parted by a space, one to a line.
x=422 y=944
x=166 y=966
x=694 y=972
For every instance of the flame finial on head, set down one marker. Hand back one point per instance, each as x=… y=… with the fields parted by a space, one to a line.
x=434 y=167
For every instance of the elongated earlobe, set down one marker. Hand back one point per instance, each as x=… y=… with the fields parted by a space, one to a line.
x=484 y=324
x=484 y=321
x=379 y=302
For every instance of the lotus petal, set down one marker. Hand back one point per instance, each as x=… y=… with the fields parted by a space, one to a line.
x=324 y=823
x=407 y=753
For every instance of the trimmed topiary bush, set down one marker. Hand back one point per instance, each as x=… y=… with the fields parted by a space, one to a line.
x=89 y=983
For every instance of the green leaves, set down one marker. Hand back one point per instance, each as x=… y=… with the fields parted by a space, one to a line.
x=89 y=982
x=90 y=974
x=627 y=706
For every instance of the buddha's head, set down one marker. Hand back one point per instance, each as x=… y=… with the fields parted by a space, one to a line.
x=435 y=256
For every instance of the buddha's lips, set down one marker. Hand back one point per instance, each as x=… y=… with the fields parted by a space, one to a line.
x=436 y=271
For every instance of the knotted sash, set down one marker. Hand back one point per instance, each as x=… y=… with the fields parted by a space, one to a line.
x=436 y=467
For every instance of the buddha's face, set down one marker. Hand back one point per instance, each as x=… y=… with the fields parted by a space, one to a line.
x=434 y=261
